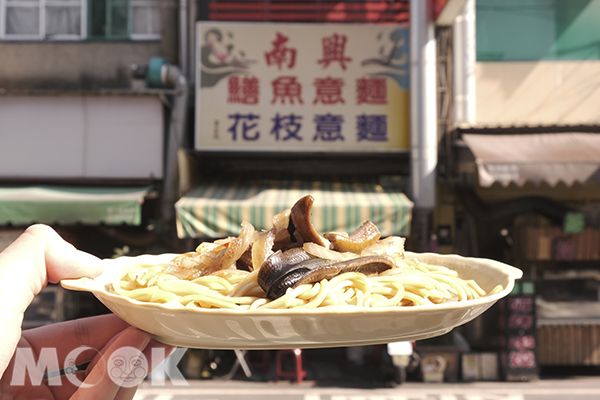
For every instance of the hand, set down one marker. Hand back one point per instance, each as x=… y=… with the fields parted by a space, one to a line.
x=37 y=257
x=106 y=338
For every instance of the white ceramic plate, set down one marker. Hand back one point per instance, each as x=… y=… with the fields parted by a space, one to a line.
x=284 y=329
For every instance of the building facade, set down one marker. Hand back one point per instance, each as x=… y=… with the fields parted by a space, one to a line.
x=526 y=163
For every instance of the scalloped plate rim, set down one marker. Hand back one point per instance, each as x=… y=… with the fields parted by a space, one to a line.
x=91 y=285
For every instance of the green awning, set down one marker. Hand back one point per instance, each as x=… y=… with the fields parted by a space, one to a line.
x=71 y=204
x=217 y=208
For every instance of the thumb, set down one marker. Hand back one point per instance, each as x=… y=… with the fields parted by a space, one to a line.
x=37 y=257
x=63 y=260
x=40 y=255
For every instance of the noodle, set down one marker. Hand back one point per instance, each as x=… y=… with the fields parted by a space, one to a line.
x=209 y=278
x=411 y=284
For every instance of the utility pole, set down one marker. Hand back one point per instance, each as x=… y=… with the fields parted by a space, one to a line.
x=423 y=119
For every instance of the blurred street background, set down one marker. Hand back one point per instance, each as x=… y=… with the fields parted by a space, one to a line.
x=468 y=127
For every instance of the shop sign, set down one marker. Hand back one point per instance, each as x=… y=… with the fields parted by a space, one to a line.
x=302 y=87
x=519 y=349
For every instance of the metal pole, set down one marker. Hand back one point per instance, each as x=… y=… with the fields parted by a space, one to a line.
x=423 y=117
x=464 y=64
x=174 y=77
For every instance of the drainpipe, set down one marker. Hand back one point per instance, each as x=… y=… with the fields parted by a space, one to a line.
x=162 y=74
x=464 y=65
x=183 y=36
x=423 y=118
x=191 y=44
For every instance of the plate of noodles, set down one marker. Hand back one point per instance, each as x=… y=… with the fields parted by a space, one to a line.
x=291 y=287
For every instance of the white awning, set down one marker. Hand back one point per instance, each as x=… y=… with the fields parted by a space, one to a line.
x=535 y=158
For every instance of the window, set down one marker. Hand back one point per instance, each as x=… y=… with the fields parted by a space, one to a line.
x=41 y=19
x=145 y=19
x=79 y=19
x=124 y=19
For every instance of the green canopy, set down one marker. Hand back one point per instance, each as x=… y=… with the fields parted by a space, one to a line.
x=24 y=205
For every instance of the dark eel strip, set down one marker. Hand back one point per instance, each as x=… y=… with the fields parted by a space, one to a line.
x=294 y=275
x=320 y=269
x=278 y=264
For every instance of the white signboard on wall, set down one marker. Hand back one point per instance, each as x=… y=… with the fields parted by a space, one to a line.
x=302 y=87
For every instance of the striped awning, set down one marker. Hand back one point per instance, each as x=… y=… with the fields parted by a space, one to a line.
x=217 y=208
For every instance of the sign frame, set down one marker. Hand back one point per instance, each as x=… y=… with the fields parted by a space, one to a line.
x=302 y=88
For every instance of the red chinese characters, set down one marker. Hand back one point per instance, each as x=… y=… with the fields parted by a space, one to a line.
x=281 y=54
x=334 y=48
x=371 y=91
x=329 y=91
x=286 y=88
x=244 y=90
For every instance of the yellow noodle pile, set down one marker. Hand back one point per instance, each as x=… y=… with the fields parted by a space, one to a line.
x=411 y=283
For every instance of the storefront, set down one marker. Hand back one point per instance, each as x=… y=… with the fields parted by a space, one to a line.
x=520 y=173
x=288 y=110
x=534 y=196
x=283 y=110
